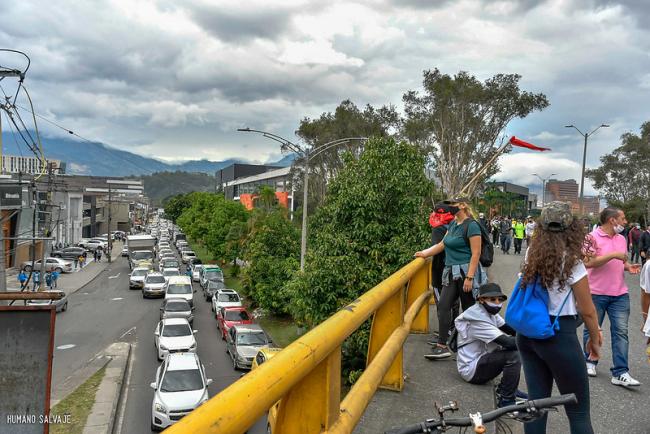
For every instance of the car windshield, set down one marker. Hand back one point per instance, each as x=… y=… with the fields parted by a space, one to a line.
x=230 y=298
x=182 y=380
x=237 y=315
x=155 y=279
x=255 y=338
x=179 y=289
x=190 y=253
x=138 y=273
x=142 y=254
x=177 y=306
x=170 y=264
x=169 y=272
x=212 y=274
x=176 y=330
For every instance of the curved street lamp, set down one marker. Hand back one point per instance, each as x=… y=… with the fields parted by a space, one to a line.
x=306 y=154
x=584 y=160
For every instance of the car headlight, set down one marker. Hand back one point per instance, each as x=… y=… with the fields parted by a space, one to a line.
x=162 y=347
x=241 y=358
x=193 y=346
x=160 y=408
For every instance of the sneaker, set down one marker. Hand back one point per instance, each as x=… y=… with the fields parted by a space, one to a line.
x=521 y=395
x=438 y=353
x=591 y=369
x=433 y=341
x=625 y=380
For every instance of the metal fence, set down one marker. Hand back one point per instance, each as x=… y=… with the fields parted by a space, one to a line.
x=306 y=376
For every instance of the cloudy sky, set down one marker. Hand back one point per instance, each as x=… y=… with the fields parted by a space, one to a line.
x=175 y=79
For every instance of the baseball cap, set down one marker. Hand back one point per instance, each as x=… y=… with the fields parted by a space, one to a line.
x=556 y=217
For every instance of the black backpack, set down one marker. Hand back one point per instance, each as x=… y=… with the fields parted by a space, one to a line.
x=487 y=249
x=452 y=342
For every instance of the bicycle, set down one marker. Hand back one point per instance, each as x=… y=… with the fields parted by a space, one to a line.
x=525 y=412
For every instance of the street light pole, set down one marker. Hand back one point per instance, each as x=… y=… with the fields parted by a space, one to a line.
x=584 y=161
x=544 y=185
x=307 y=155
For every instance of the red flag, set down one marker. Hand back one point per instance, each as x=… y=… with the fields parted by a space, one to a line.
x=517 y=142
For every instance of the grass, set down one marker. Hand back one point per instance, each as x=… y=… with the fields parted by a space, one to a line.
x=78 y=405
x=283 y=331
x=201 y=251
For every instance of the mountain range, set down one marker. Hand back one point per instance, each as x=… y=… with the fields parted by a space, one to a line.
x=98 y=159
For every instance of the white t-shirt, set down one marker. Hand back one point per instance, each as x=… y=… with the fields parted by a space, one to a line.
x=480 y=329
x=645 y=277
x=556 y=297
x=530 y=228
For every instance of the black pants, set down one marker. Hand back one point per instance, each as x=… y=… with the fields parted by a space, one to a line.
x=518 y=242
x=495 y=237
x=492 y=364
x=558 y=359
x=449 y=296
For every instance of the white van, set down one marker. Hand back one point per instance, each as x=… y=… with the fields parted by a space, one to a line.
x=180 y=287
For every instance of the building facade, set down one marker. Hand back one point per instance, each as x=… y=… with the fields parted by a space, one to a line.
x=29 y=165
x=563 y=191
x=242 y=183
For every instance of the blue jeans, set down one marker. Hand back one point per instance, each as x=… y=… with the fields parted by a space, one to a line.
x=505 y=242
x=618 y=310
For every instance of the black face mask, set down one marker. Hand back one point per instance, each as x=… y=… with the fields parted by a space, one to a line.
x=492 y=310
x=454 y=210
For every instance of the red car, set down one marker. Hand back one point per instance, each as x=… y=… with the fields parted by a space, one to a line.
x=232 y=316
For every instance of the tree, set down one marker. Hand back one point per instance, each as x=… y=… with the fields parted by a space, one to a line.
x=623 y=176
x=175 y=205
x=346 y=121
x=267 y=197
x=272 y=251
x=458 y=120
x=373 y=219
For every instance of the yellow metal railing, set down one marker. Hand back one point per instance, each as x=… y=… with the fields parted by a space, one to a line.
x=306 y=375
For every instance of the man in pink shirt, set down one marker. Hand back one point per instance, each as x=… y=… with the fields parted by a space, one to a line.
x=606 y=262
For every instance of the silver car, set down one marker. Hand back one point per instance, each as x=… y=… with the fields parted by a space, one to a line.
x=51 y=264
x=243 y=342
x=154 y=285
x=177 y=308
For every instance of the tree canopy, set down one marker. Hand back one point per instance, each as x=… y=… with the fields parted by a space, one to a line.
x=458 y=120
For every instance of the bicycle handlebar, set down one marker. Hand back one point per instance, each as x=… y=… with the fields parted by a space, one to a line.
x=490 y=416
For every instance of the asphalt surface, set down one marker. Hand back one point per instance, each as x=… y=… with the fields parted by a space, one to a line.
x=614 y=409
x=106 y=311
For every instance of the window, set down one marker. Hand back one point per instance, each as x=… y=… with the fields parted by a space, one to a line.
x=228 y=298
x=176 y=330
x=237 y=315
x=252 y=339
x=179 y=289
x=182 y=380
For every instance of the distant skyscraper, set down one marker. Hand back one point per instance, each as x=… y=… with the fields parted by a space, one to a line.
x=563 y=191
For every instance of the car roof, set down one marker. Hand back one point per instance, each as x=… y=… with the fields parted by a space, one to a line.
x=248 y=328
x=180 y=279
x=211 y=266
x=141 y=268
x=173 y=321
x=154 y=273
x=171 y=269
x=175 y=300
x=182 y=361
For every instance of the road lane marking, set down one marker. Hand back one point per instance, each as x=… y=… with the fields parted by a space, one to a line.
x=116 y=299
x=114 y=277
x=65 y=347
x=127 y=332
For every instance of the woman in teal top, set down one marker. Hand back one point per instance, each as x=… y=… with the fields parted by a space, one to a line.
x=462 y=273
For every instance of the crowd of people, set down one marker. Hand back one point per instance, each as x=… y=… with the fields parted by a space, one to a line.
x=578 y=272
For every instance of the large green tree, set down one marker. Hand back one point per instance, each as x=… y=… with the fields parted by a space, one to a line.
x=373 y=219
x=459 y=122
x=272 y=251
x=175 y=205
x=623 y=176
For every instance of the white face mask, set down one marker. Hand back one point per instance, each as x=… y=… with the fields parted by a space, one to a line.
x=618 y=229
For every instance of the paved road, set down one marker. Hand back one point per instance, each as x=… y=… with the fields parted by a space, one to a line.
x=613 y=408
x=106 y=311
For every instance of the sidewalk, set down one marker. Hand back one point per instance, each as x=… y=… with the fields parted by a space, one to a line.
x=73 y=282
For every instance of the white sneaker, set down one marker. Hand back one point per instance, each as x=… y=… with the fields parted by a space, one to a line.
x=591 y=369
x=625 y=380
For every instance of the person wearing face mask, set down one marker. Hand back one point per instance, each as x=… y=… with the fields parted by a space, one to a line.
x=606 y=262
x=462 y=273
x=487 y=345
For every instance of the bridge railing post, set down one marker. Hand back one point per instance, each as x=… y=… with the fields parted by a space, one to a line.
x=384 y=322
x=313 y=404
x=418 y=285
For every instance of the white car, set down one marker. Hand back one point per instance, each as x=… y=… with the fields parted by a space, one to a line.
x=180 y=287
x=137 y=276
x=180 y=387
x=225 y=298
x=154 y=285
x=196 y=272
x=174 y=335
x=169 y=272
x=187 y=255
x=163 y=252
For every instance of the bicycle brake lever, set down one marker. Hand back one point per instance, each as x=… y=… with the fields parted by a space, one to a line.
x=477 y=421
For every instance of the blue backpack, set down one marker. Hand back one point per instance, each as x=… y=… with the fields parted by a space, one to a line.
x=527 y=311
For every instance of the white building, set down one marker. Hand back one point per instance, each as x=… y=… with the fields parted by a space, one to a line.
x=28 y=164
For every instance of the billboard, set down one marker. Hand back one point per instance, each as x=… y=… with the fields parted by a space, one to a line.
x=26 y=348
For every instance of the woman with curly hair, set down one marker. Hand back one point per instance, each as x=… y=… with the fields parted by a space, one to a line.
x=555 y=256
